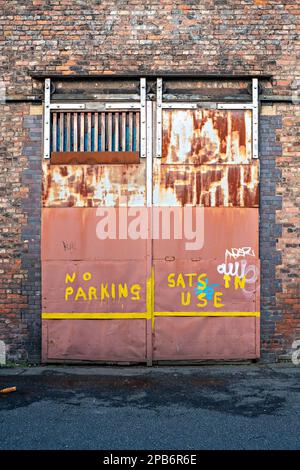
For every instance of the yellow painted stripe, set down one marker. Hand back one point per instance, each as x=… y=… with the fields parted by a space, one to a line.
x=148 y=298
x=138 y=315
x=93 y=316
x=152 y=298
x=207 y=314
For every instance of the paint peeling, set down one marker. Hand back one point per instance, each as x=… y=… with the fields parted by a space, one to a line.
x=95 y=185
x=206 y=137
x=209 y=185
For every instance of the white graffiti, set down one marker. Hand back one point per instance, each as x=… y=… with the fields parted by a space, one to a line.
x=296 y=352
x=2 y=92
x=239 y=252
x=240 y=268
x=251 y=280
x=2 y=353
x=233 y=269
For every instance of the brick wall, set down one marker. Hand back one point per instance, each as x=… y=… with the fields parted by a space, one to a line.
x=76 y=36
x=13 y=330
x=279 y=230
x=288 y=217
x=270 y=230
x=30 y=235
x=20 y=189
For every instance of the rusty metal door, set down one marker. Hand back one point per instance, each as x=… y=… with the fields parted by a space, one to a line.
x=93 y=288
x=206 y=297
x=122 y=299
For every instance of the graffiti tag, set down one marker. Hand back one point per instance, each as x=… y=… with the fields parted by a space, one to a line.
x=296 y=352
x=239 y=273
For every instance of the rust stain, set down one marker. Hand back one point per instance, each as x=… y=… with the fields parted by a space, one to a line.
x=92 y=186
x=210 y=185
x=63 y=171
x=94 y=158
x=206 y=137
x=238 y=126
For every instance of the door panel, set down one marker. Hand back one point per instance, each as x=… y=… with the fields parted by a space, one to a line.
x=206 y=300
x=206 y=338
x=201 y=137
x=94 y=340
x=93 y=185
x=94 y=286
x=223 y=228
x=178 y=285
x=71 y=234
x=93 y=289
x=207 y=185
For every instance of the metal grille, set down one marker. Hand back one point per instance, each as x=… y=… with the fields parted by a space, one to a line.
x=95 y=132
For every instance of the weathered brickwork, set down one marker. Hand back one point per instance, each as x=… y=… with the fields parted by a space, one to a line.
x=30 y=236
x=75 y=36
x=120 y=36
x=270 y=230
x=20 y=188
x=288 y=217
x=12 y=218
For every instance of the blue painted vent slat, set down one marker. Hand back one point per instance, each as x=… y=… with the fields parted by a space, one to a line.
x=112 y=129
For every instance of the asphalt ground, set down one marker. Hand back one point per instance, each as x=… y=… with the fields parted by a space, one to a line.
x=192 y=408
